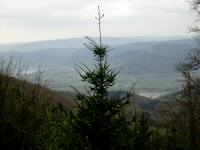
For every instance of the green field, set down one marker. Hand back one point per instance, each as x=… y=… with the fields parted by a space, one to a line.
x=151 y=82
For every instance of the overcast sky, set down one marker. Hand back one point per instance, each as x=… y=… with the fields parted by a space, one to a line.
x=33 y=20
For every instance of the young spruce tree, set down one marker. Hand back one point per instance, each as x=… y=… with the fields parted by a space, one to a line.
x=99 y=118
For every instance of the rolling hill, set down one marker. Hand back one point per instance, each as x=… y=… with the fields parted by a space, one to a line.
x=153 y=61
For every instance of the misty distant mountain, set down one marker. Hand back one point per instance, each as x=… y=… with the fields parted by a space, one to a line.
x=152 y=63
x=136 y=58
x=75 y=43
x=152 y=57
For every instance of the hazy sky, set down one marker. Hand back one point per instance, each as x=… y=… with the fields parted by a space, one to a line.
x=30 y=20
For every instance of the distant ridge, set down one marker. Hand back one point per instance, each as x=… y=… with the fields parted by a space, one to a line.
x=154 y=61
x=78 y=43
x=135 y=57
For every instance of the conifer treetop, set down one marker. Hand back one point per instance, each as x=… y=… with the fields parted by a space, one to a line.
x=99 y=19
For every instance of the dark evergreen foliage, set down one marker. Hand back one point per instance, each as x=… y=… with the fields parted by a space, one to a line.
x=100 y=119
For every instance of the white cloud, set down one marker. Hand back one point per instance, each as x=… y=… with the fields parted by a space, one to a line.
x=26 y=20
